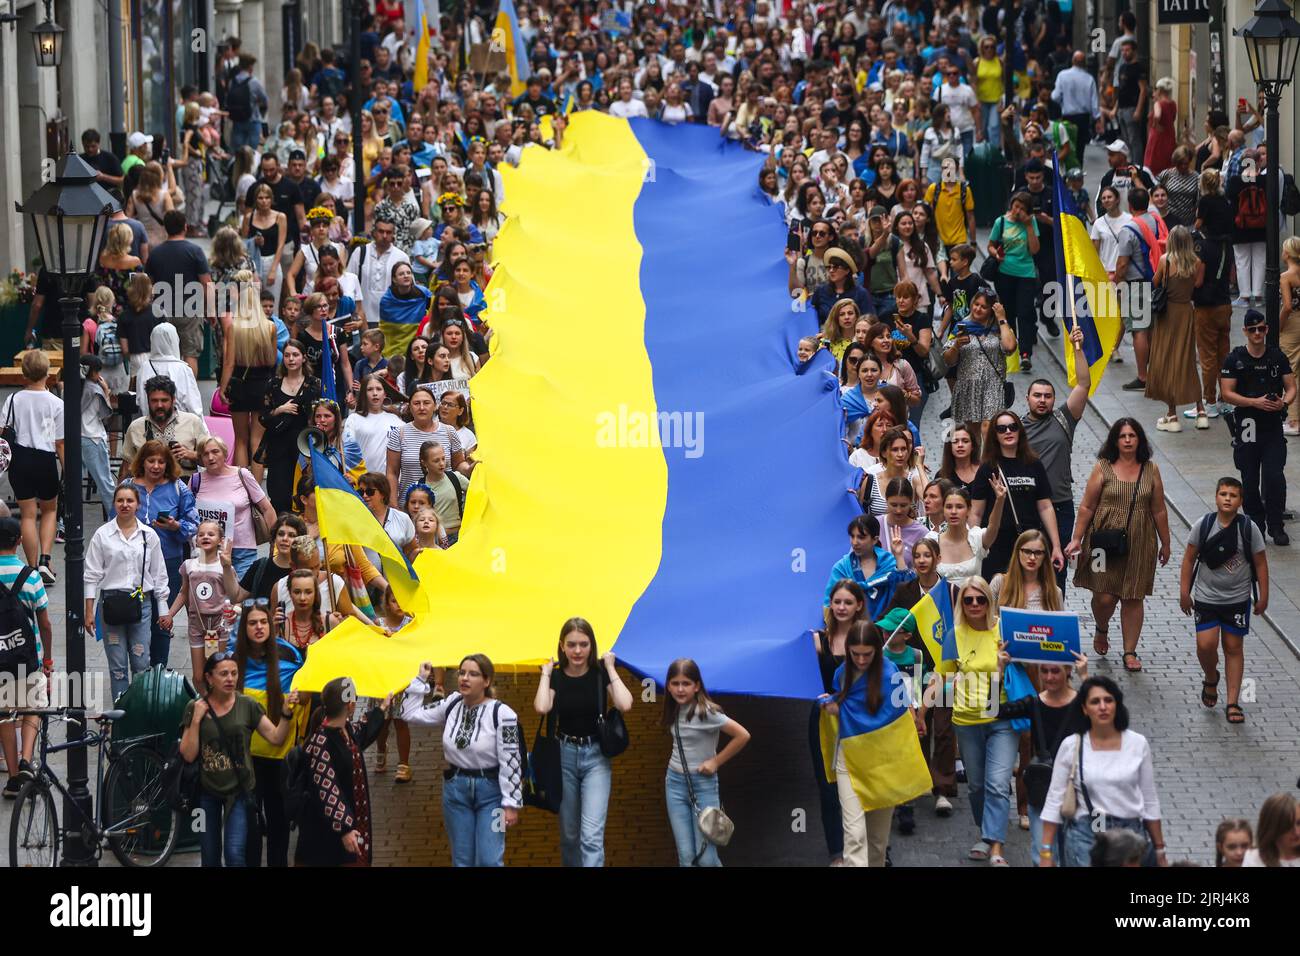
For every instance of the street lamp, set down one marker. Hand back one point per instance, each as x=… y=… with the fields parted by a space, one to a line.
x=70 y=219
x=1272 y=38
x=48 y=40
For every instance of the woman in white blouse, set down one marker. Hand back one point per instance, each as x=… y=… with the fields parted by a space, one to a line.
x=482 y=792
x=124 y=564
x=1107 y=229
x=961 y=547
x=1101 y=779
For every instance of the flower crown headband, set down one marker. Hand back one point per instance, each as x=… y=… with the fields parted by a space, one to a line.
x=451 y=199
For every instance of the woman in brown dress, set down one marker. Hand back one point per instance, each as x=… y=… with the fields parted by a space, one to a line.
x=1124 y=466
x=1172 y=365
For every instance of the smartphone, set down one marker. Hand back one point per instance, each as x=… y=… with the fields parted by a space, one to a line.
x=1241 y=104
x=792 y=241
x=1273 y=397
x=165 y=514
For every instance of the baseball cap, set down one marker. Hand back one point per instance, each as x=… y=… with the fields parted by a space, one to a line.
x=138 y=139
x=878 y=212
x=1119 y=146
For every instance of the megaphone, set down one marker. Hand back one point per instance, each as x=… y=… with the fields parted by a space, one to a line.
x=310 y=438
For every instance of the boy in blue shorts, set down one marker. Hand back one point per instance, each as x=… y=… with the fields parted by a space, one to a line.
x=1225 y=560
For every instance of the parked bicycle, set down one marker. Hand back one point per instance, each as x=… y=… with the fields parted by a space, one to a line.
x=131 y=814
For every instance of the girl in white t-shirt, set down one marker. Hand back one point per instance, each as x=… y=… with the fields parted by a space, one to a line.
x=962 y=548
x=1108 y=228
x=36 y=417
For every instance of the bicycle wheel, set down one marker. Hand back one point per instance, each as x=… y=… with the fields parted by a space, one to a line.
x=34 y=827
x=141 y=828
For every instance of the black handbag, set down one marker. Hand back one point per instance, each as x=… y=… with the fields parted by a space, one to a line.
x=1114 y=541
x=611 y=729
x=1038 y=772
x=120 y=606
x=544 y=781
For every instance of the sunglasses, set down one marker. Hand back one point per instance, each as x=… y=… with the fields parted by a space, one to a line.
x=255 y=602
x=1007 y=429
x=1255 y=328
x=367 y=492
x=974 y=600
x=821 y=232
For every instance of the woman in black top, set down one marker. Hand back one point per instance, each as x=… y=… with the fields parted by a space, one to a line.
x=336 y=824
x=1029 y=494
x=285 y=413
x=848 y=604
x=262 y=574
x=1053 y=716
x=1214 y=213
x=576 y=693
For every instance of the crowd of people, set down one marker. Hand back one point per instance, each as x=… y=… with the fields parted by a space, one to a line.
x=869 y=115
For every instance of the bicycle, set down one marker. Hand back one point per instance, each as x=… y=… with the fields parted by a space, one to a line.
x=131 y=813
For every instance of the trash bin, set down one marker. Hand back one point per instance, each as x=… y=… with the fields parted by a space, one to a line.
x=154 y=704
x=987 y=173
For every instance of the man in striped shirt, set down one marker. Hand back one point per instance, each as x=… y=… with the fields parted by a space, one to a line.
x=34 y=602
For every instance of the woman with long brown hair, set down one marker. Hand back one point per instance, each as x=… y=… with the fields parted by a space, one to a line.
x=961 y=455
x=149 y=202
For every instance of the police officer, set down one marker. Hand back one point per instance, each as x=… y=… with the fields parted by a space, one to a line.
x=1258 y=380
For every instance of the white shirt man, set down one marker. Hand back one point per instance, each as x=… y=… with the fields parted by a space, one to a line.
x=373 y=265
x=961 y=102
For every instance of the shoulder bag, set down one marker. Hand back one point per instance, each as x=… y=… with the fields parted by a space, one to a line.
x=543 y=784
x=713 y=822
x=261 y=532
x=1038 y=772
x=122 y=606
x=1114 y=541
x=611 y=728
x=1070 y=802
x=1008 y=390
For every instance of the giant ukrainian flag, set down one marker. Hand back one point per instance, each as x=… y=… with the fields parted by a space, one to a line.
x=652 y=244
x=506 y=33
x=1085 y=291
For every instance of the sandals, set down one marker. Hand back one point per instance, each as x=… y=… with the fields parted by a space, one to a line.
x=1101 y=642
x=1136 y=665
x=1210 y=692
x=1235 y=714
x=381 y=760
x=998 y=860
x=979 y=852
x=403 y=774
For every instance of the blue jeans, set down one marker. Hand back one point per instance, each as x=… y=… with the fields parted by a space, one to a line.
x=94 y=461
x=127 y=648
x=160 y=640
x=470 y=808
x=1036 y=838
x=242 y=559
x=245 y=134
x=223 y=827
x=989 y=753
x=587 y=780
x=991 y=120
x=1078 y=837
x=681 y=816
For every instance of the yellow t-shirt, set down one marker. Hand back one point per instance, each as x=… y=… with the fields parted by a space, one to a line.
x=977 y=662
x=949 y=211
x=988 y=80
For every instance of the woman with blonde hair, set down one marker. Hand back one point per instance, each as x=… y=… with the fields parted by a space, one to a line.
x=1277 y=838
x=1172 y=377
x=149 y=202
x=1029 y=582
x=191 y=162
x=116 y=263
x=837 y=332
x=247 y=367
x=1161 y=123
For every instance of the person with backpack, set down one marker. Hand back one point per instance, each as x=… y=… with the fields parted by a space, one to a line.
x=953 y=202
x=483 y=789
x=1140 y=246
x=24 y=611
x=1225 y=570
x=576 y=692
x=216 y=730
x=247 y=104
x=1249 y=200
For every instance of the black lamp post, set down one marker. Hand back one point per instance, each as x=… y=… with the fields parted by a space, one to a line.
x=48 y=40
x=356 y=100
x=70 y=218
x=1272 y=38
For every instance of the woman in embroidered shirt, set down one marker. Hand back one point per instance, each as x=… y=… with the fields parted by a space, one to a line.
x=336 y=824
x=577 y=691
x=483 y=782
x=1110 y=771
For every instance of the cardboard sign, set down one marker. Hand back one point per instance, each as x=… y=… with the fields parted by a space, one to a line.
x=1040 y=637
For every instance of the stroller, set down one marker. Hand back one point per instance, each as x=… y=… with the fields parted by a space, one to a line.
x=221 y=187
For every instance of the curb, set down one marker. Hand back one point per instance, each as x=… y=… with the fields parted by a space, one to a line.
x=1291 y=645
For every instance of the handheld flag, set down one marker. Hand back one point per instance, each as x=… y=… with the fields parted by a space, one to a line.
x=345 y=519
x=933 y=615
x=328 y=388
x=506 y=36
x=1085 y=291
x=881 y=751
x=422 y=26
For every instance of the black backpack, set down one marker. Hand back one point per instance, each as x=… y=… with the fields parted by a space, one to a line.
x=460 y=508
x=1244 y=527
x=17 y=631
x=239 y=100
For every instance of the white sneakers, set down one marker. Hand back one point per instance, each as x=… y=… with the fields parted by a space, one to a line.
x=1290 y=430
x=942 y=806
x=1170 y=423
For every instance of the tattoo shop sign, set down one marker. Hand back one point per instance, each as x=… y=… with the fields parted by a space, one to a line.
x=1183 y=11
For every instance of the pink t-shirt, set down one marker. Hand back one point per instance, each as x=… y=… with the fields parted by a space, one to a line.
x=234 y=493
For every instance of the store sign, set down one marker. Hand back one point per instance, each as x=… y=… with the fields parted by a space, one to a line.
x=1184 y=11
